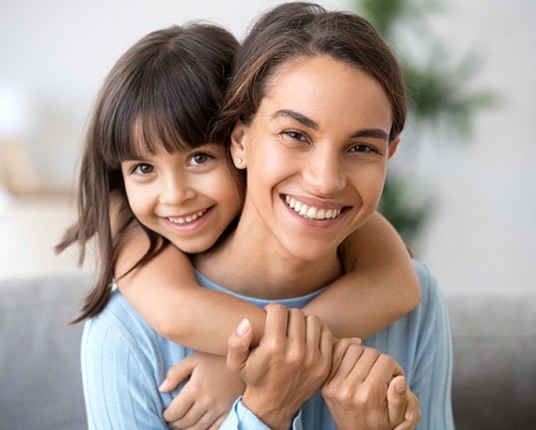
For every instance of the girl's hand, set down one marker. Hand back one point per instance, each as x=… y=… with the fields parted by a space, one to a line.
x=362 y=390
x=290 y=364
x=206 y=399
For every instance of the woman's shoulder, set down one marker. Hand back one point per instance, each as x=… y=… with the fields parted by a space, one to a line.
x=421 y=332
x=429 y=315
x=431 y=295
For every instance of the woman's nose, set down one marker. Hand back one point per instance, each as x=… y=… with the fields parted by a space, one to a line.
x=324 y=173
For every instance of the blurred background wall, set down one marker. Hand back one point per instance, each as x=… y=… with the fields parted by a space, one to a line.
x=482 y=232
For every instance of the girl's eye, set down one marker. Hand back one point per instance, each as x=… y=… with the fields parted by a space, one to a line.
x=200 y=158
x=143 y=169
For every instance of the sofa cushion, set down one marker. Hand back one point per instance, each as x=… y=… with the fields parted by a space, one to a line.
x=494 y=344
x=40 y=383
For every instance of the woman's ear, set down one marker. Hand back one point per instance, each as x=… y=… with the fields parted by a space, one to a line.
x=238 y=147
x=393 y=146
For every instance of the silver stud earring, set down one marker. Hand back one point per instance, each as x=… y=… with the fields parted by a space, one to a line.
x=239 y=161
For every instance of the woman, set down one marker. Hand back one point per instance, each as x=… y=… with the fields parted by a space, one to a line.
x=316 y=108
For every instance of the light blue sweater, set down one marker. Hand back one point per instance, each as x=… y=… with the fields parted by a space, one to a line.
x=124 y=361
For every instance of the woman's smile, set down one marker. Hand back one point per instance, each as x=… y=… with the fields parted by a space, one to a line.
x=309 y=211
x=323 y=165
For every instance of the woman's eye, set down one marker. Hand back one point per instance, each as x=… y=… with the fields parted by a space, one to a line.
x=200 y=158
x=143 y=169
x=295 y=135
x=365 y=149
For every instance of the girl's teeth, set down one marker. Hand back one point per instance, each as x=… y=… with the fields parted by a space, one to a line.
x=188 y=219
x=310 y=211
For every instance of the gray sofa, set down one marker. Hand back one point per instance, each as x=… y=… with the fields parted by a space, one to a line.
x=494 y=338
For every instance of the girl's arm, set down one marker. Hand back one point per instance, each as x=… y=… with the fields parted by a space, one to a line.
x=165 y=292
x=379 y=287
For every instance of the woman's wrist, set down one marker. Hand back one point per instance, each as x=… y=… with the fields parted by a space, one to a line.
x=274 y=415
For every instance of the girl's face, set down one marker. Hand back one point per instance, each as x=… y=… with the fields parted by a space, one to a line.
x=316 y=154
x=189 y=196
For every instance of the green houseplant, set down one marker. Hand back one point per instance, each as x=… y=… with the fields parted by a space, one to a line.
x=439 y=94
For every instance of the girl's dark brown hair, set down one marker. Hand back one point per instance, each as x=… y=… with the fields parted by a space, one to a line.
x=294 y=31
x=163 y=92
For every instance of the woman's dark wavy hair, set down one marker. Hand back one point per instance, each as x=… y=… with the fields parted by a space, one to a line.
x=294 y=31
x=163 y=92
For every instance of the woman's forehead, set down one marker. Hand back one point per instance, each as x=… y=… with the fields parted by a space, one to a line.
x=322 y=87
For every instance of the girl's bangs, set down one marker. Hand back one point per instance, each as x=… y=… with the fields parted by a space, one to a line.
x=152 y=133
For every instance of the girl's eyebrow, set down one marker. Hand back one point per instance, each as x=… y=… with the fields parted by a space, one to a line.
x=136 y=157
x=376 y=133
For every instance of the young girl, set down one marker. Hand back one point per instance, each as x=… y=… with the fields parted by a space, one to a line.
x=148 y=140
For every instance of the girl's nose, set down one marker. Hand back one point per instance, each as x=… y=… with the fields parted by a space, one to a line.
x=324 y=173
x=176 y=190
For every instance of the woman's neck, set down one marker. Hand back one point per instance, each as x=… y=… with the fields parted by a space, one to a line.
x=251 y=263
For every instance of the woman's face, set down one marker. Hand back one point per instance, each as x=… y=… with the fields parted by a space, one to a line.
x=316 y=155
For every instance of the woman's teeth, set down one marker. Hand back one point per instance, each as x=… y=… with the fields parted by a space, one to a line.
x=310 y=211
x=188 y=219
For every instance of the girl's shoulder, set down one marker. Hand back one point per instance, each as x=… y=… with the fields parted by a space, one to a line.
x=118 y=323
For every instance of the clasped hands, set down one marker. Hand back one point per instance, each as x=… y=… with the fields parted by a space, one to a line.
x=296 y=357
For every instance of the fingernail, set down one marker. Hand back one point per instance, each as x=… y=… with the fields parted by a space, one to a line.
x=243 y=327
x=409 y=415
x=357 y=340
x=164 y=386
x=400 y=385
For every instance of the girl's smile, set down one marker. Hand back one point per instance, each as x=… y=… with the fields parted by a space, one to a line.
x=187 y=219
x=188 y=197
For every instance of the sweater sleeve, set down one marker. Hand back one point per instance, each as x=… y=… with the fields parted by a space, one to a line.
x=241 y=418
x=118 y=388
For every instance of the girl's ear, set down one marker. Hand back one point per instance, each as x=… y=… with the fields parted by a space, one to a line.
x=393 y=145
x=238 y=148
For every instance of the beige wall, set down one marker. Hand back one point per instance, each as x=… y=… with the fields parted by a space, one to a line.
x=56 y=53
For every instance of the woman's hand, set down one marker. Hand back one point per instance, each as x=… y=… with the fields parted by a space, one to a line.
x=290 y=364
x=367 y=390
x=403 y=405
x=207 y=397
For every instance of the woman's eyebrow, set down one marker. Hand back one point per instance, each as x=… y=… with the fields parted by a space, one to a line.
x=376 y=133
x=302 y=119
